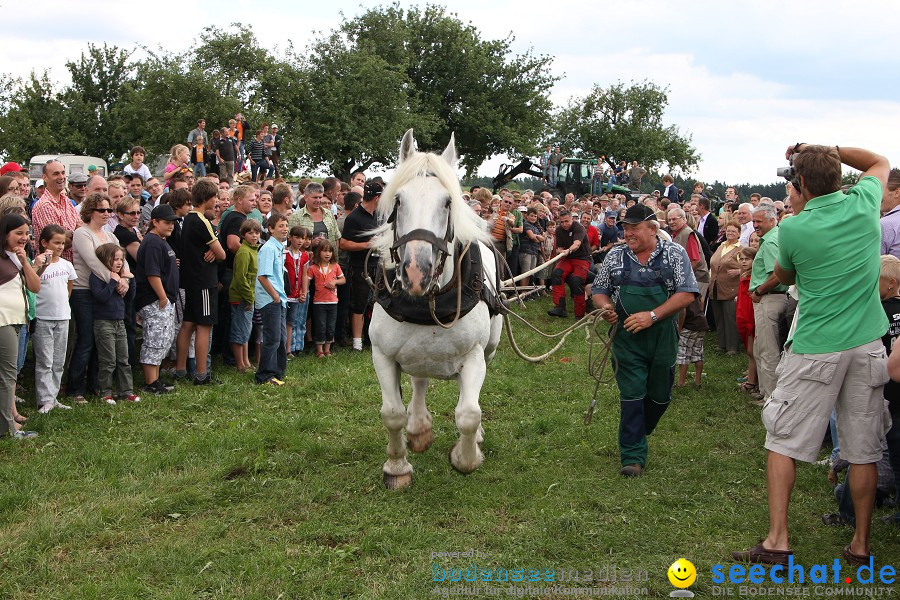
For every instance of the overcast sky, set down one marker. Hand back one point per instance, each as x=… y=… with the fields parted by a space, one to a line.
x=746 y=79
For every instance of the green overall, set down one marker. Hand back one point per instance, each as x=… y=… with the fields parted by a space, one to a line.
x=645 y=369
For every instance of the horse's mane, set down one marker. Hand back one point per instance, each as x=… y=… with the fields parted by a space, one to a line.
x=467 y=226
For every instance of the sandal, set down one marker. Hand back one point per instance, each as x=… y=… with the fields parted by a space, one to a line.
x=748 y=387
x=761 y=554
x=320 y=355
x=856 y=559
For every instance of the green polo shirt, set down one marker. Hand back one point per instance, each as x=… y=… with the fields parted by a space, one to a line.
x=834 y=247
x=764 y=262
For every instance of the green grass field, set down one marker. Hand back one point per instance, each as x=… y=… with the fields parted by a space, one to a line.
x=240 y=491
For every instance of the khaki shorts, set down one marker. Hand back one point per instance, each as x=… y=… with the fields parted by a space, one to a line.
x=810 y=386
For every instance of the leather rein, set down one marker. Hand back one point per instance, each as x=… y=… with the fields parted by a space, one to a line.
x=443 y=247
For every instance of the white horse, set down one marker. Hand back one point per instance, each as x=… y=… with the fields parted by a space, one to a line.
x=427 y=217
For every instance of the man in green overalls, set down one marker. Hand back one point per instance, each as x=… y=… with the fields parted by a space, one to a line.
x=643 y=285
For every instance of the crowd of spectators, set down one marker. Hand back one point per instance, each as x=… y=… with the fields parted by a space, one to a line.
x=101 y=275
x=163 y=272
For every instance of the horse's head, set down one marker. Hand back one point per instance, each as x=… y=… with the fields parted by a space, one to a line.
x=421 y=213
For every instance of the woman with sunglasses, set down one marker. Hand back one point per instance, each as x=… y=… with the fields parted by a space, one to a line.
x=129 y=211
x=95 y=213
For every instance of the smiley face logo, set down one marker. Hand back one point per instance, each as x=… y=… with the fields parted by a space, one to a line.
x=682 y=573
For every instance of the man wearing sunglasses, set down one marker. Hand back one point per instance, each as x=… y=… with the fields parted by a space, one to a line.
x=78 y=188
x=54 y=206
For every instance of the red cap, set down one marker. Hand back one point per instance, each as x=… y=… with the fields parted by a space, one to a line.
x=11 y=167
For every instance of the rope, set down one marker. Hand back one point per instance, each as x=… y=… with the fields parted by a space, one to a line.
x=509 y=282
x=459 y=287
x=597 y=359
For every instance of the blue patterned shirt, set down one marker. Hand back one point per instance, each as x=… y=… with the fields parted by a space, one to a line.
x=675 y=273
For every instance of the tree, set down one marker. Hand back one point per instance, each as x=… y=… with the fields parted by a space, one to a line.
x=163 y=102
x=355 y=105
x=33 y=119
x=624 y=123
x=454 y=82
x=234 y=60
x=850 y=177
x=97 y=78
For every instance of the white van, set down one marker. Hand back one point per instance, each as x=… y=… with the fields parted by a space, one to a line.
x=72 y=162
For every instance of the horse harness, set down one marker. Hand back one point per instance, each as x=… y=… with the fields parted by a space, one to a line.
x=439 y=305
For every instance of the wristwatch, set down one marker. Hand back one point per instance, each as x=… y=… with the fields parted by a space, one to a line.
x=653 y=316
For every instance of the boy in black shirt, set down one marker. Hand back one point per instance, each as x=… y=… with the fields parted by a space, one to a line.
x=156 y=275
x=200 y=248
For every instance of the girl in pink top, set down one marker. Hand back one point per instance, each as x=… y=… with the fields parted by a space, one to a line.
x=178 y=159
x=326 y=275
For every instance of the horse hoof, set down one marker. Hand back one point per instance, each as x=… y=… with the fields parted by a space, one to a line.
x=457 y=465
x=419 y=442
x=397 y=482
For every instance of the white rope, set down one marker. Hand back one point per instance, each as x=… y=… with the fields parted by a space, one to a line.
x=509 y=282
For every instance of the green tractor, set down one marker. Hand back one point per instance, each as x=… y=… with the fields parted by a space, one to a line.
x=575 y=176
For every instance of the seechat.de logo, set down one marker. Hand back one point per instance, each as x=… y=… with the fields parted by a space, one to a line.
x=793 y=573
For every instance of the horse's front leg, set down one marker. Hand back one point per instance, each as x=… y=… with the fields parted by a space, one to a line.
x=397 y=470
x=466 y=456
x=418 y=425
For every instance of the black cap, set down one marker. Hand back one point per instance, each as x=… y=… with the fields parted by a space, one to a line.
x=372 y=189
x=163 y=212
x=638 y=213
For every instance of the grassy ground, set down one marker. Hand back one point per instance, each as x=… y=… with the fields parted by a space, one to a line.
x=242 y=491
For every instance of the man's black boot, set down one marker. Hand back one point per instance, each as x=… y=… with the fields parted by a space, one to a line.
x=559 y=310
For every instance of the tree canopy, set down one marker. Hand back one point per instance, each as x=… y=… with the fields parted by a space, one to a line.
x=342 y=103
x=626 y=123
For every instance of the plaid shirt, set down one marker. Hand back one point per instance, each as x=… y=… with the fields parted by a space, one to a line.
x=49 y=210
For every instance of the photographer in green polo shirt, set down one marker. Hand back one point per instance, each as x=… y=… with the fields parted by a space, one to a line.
x=835 y=359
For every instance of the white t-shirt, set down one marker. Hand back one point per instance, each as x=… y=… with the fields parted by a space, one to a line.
x=144 y=172
x=53 y=299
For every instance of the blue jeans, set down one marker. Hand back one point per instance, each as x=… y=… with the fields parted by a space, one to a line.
x=199 y=169
x=273 y=359
x=24 y=336
x=297 y=312
x=554 y=175
x=83 y=367
x=241 y=323
x=258 y=167
x=324 y=320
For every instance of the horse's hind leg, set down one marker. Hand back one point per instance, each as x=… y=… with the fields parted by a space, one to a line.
x=466 y=456
x=418 y=425
x=397 y=470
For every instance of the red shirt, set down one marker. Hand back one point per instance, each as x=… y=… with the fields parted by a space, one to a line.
x=324 y=295
x=49 y=210
x=593 y=236
x=294 y=268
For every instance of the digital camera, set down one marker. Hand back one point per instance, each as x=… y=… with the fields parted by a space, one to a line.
x=789 y=172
